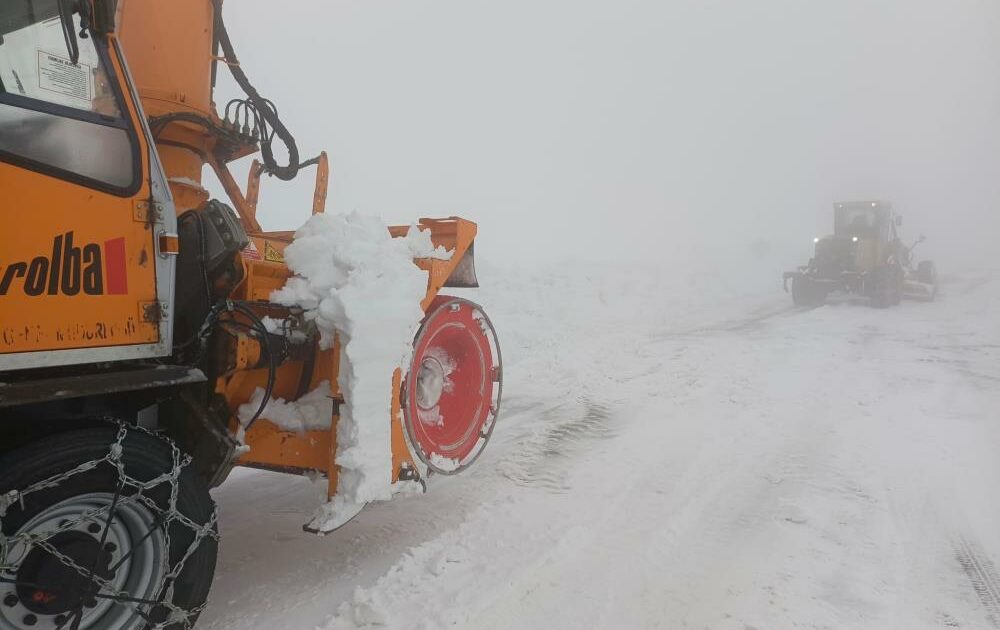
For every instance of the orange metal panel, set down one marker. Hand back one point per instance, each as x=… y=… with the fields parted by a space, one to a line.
x=169 y=48
x=91 y=253
x=264 y=275
x=400 y=447
x=322 y=182
x=454 y=234
x=270 y=447
x=247 y=213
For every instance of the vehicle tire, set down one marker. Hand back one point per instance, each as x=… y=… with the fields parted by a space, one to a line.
x=897 y=279
x=927 y=272
x=806 y=292
x=885 y=287
x=159 y=549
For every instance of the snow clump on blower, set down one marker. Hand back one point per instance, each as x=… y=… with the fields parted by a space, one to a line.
x=357 y=282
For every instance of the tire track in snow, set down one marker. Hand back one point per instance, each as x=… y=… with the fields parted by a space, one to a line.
x=759 y=317
x=748 y=324
x=541 y=460
x=983 y=576
x=715 y=541
x=966 y=285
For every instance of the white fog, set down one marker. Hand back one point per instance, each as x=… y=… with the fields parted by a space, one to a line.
x=732 y=363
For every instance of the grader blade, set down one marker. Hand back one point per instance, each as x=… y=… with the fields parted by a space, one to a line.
x=920 y=291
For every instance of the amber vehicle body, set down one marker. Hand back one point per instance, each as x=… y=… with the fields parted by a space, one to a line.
x=136 y=327
x=69 y=357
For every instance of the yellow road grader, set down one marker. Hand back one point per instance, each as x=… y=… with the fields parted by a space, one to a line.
x=864 y=256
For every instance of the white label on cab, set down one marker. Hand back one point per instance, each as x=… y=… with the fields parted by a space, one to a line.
x=61 y=76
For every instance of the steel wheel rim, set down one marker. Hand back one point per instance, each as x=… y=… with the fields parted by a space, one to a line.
x=137 y=550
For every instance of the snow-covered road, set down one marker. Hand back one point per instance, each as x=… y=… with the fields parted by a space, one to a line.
x=730 y=463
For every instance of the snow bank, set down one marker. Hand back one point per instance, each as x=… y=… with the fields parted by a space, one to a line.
x=312 y=412
x=357 y=282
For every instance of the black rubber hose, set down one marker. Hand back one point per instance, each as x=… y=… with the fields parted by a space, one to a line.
x=272 y=368
x=264 y=108
x=157 y=123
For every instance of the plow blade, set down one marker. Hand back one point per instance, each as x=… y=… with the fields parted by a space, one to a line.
x=914 y=290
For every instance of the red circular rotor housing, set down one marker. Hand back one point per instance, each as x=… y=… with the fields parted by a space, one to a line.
x=450 y=436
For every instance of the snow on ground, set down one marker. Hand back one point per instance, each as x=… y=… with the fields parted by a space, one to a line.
x=673 y=452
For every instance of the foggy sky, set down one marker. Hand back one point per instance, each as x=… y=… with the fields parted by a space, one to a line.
x=670 y=130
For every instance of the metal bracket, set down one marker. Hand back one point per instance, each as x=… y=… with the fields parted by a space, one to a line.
x=144 y=212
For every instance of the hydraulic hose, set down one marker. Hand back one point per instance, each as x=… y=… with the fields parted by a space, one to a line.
x=264 y=109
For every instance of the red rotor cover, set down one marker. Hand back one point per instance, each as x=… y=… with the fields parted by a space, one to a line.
x=452 y=390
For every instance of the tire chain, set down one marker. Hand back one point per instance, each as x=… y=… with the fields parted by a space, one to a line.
x=163 y=519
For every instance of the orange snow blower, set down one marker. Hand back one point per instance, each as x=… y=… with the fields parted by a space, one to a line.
x=133 y=316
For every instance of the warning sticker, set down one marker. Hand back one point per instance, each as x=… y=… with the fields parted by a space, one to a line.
x=61 y=76
x=251 y=252
x=272 y=254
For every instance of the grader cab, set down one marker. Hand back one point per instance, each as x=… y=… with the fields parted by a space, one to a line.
x=136 y=318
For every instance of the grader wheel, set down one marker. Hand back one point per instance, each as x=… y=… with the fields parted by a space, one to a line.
x=807 y=292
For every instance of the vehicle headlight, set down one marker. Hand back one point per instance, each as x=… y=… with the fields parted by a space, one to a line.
x=855 y=239
x=816 y=240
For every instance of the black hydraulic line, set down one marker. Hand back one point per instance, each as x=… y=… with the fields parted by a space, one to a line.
x=157 y=123
x=310 y=162
x=265 y=110
x=272 y=369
